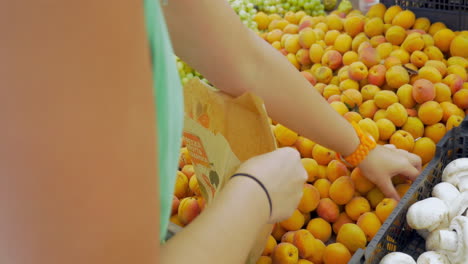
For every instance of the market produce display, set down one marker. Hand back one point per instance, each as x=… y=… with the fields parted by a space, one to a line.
x=403 y=79
x=442 y=219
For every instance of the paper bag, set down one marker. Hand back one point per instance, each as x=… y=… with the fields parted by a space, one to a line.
x=220 y=133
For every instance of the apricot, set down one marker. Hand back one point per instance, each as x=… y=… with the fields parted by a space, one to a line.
x=332 y=59
x=358 y=40
x=402 y=140
x=356 y=207
x=401 y=54
x=310 y=199
x=369 y=56
x=368 y=109
x=342 y=190
x=435 y=27
x=453 y=81
x=428 y=40
x=189 y=209
x=352 y=116
x=430 y=73
x=264 y=260
x=322 y=155
x=175 y=205
x=320 y=229
x=395 y=35
x=402 y=189
x=453 y=121
x=323 y=187
x=370 y=224
x=384 y=50
x=274 y=35
x=434 y=53
x=397 y=114
x=435 y=132
x=270 y=246
x=318 y=249
x=443 y=93
x=284 y=135
x=425 y=149
x=306 y=38
x=391 y=13
x=443 y=39
x=457 y=60
x=439 y=65
x=293 y=60
x=450 y=109
x=278 y=232
x=315 y=53
x=405 y=96
x=328 y=210
x=351 y=98
x=414 y=126
x=353 y=25
x=336 y=253
x=423 y=91
x=330 y=37
x=323 y=74
x=391 y=61
x=397 y=76
x=194 y=187
x=322 y=172
x=383 y=99
x=181 y=188
x=458 y=70
x=385 y=208
x=430 y=113
x=288 y=237
x=370 y=127
x=460 y=99
x=375 y=196
x=458 y=46
x=304 y=146
x=349 y=84
x=350 y=57
x=418 y=58
x=285 y=253
x=357 y=71
x=291 y=29
x=413 y=42
x=294 y=222
x=422 y=23
x=352 y=237
x=381 y=113
x=368 y=93
x=404 y=19
x=343 y=43
x=386 y=128
x=374 y=27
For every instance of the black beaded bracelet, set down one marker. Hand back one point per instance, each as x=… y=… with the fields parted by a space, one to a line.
x=261 y=185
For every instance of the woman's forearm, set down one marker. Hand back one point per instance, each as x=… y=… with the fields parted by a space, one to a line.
x=291 y=100
x=234 y=218
x=210 y=37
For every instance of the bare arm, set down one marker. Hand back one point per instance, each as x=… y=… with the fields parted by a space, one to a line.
x=212 y=39
x=77 y=170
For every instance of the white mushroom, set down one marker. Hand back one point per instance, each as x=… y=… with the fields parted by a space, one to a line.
x=397 y=257
x=445 y=191
x=458 y=206
x=432 y=257
x=455 y=243
x=429 y=214
x=456 y=173
x=433 y=240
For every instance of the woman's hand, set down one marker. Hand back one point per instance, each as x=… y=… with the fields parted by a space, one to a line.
x=384 y=162
x=283 y=175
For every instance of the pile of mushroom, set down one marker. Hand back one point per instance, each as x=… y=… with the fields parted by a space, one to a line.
x=442 y=220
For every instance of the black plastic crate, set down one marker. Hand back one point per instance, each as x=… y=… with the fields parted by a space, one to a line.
x=454 y=13
x=395 y=234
